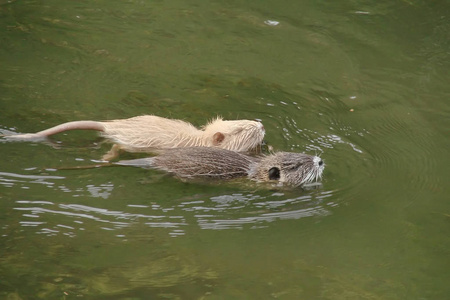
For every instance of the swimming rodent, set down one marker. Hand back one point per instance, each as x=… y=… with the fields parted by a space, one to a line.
x=148 y=132
x=289 y=168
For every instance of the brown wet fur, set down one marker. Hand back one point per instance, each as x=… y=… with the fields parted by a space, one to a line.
x=293 y=169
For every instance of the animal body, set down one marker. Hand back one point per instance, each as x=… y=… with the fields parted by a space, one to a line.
x=289 y=168
x=148 y=132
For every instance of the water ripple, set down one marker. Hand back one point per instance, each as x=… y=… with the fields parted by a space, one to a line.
x=404 y=147
x=10 y=179
x=117 y=220
x=259 y=208
x=220 y=224
x=232 y=211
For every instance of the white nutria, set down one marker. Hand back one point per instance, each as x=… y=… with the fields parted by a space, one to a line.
x=294 y=169
x=148 y=132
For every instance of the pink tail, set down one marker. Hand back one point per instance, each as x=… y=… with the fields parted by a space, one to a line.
x=75 y=125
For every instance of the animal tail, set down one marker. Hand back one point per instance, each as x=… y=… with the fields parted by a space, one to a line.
x=140 y=162
x=75 y=125
x=147 y=162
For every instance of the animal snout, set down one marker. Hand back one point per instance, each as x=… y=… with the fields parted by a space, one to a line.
x=318 y=161
x=259 y=123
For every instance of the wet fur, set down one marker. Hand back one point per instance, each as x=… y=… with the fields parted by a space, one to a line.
x=146 y=133
x=294 y=169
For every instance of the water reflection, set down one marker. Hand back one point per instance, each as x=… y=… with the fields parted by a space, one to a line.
x=129 y=245
x=11 y=179
x=259 y=207
x=233 y=211
x=103 y=191
x=210 y=222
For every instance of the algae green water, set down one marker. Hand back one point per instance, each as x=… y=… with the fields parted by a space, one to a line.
x=365 y=84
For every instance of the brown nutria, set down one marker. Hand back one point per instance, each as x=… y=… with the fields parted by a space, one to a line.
x=294 y=169
x=145 y=133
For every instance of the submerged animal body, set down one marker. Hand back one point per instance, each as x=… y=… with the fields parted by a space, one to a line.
x=289 y=168
x=148 y=132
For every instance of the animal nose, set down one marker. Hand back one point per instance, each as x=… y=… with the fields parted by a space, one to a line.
x=320 y=162
x=260 y=122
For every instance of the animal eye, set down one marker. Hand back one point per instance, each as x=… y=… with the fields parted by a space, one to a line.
x=274 y=173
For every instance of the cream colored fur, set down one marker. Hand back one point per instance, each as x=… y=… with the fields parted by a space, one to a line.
x=152 y=132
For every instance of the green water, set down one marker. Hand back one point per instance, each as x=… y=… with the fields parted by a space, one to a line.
x=365 y=84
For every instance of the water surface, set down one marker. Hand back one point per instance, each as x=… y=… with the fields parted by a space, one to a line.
x=362 y=83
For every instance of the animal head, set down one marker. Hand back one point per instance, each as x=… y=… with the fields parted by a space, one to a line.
x=238 y=135
x=291 y=168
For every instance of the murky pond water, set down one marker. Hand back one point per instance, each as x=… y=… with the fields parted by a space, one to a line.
x=365 y=84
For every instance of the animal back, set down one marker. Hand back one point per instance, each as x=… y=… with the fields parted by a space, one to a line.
x=151 y=132
x=204 y=162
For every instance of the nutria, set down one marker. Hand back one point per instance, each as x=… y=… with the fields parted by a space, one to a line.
x=146 y=133
x=294 y=169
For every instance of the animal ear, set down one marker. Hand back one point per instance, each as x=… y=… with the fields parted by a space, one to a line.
x=218 y=138
x=274 y=173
